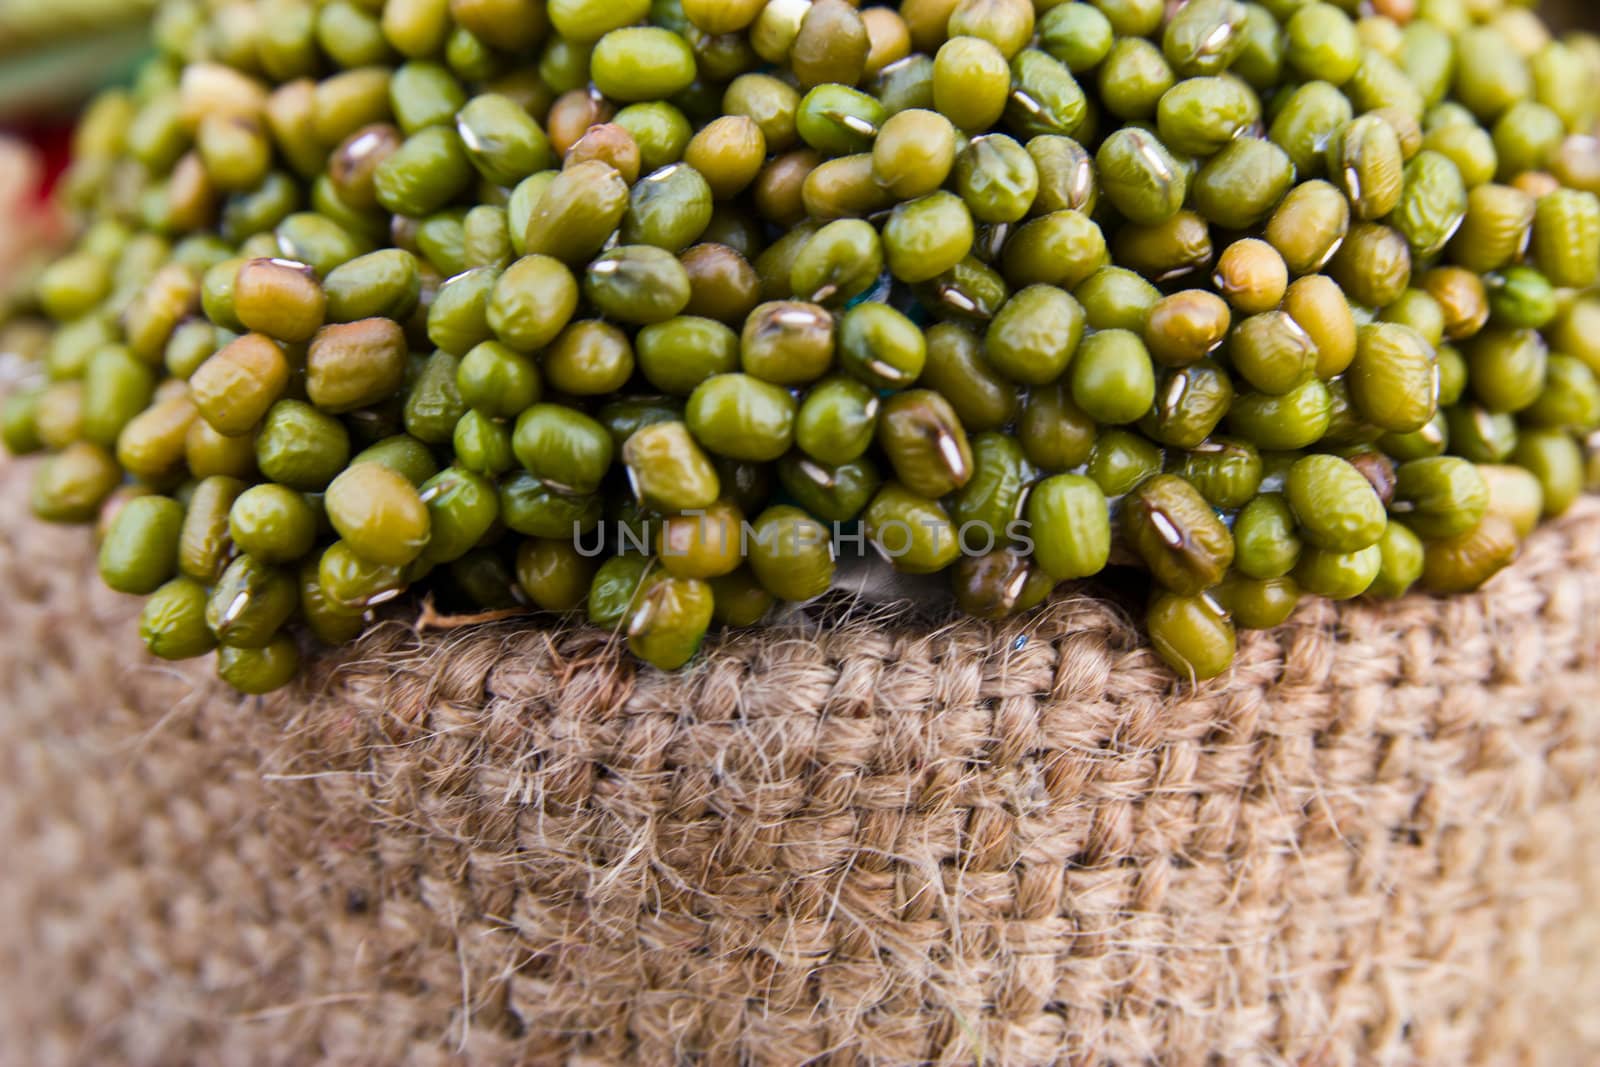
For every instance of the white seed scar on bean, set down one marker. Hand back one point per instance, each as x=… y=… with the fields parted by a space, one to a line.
x=1169 y=532
x=236 y=607
x=950 y=452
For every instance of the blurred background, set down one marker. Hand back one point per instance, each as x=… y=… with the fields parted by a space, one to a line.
x=53 y=55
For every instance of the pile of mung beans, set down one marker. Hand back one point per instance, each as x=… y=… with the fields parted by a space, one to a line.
x=650 y=308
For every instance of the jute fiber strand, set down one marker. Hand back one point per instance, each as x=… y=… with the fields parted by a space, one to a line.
x=1376 y=841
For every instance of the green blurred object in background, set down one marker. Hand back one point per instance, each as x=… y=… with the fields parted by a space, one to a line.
x=25 y=24
x=54 y=53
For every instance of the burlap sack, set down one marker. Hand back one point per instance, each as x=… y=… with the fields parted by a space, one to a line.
x=1377 y=841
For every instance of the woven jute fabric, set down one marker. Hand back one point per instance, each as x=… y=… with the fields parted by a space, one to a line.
x=1376 y=841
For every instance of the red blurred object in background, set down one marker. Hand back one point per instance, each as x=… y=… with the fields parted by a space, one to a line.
x=53 y=143
x=32 y=160
x=55 y=146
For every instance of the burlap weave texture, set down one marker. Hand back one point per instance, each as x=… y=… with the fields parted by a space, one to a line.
x=1377 y=841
